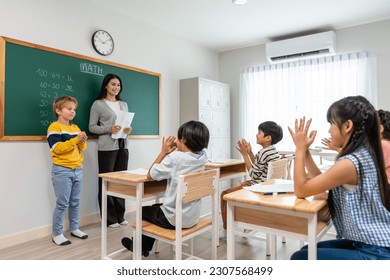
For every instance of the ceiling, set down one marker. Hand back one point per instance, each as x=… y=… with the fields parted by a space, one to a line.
x=219 y=25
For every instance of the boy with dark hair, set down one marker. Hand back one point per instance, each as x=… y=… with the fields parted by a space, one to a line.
x=269 y=134
x=182 y=155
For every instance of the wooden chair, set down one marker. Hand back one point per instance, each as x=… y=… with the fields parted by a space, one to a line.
x=191 y=187
x=279 y=169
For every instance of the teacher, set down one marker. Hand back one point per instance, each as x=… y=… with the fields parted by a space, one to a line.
x=112 y=153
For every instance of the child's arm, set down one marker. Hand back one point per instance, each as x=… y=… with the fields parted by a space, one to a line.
x=168 y=146
x=65 y=146
x=249 y=150
x=82 y=136
x=342 y=172
x=242 y=147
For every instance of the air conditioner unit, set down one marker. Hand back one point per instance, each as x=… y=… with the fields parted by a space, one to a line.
x=320 y=44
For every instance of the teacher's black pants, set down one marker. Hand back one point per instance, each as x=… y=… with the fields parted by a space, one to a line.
x=110 y=161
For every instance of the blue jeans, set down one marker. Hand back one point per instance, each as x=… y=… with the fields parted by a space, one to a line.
x=343 y=249
x=67 y=187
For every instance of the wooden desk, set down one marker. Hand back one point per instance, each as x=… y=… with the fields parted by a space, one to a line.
x=283 y=214
x=229 y=169
x=134 y=186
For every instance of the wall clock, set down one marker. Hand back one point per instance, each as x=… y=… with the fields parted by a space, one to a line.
x=102 y=42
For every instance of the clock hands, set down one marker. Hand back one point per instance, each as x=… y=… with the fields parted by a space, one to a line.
x=103 y=42
x=109 y=39
x=99 y=39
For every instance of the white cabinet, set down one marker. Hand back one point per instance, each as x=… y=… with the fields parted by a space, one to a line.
x=209 y=102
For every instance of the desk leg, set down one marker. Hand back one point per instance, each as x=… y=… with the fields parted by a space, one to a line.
x=137 y=238
x=218 y=202
x=272 y=238
x=312 y=237
x=230 y=232
x=104 y=220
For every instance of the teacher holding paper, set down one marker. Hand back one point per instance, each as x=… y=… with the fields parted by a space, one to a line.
x=112 y=151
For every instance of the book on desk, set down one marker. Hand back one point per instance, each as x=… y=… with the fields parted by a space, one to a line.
x=273 y=186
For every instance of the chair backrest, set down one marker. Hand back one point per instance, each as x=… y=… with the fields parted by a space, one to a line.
x=194 y=186
x=278 y=169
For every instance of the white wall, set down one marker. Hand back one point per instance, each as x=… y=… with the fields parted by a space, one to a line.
x=373 y=36
x=26 y=196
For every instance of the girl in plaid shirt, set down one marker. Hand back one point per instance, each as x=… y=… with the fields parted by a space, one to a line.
x=359 y=195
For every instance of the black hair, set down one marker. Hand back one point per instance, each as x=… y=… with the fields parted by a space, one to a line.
x=195 y=135
x=270 y=128
x=384 y=119
x=103 y=90
x=365 y=132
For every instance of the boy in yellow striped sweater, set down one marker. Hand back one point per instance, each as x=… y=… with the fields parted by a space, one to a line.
x=66 y=143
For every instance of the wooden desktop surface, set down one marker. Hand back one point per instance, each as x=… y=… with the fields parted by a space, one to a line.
x=282 y=201
x=124 y=183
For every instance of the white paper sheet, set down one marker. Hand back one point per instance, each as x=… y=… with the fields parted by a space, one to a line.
x=124 y=120
x=138 y=171
x=221 y=160
x=273 y=186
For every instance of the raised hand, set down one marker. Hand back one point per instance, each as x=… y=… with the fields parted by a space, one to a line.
x=168 y=145
x=328 y=145
x=301 y=136
x=243 y=146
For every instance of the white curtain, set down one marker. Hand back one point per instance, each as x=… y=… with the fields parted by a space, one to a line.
x=286 y=91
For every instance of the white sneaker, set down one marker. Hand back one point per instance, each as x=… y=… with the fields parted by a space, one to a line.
x=116 y=225
x=124 y=223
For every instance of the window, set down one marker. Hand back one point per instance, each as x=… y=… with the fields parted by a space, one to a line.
x=286 y=91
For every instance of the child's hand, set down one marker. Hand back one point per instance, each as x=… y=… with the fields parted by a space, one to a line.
x=328 y=145
x=168 y=145
x=301 y=137
x=247 y=146
x=242 y=146
x=82 y=136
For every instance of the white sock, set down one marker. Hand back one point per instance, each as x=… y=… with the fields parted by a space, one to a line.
x=79 y=233
x=60 y=239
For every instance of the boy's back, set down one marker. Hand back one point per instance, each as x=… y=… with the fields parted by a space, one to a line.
x=175 y=164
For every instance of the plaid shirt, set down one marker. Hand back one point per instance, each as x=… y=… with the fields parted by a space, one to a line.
x=360 y=214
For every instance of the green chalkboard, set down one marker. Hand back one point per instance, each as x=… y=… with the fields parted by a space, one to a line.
x=32 y=76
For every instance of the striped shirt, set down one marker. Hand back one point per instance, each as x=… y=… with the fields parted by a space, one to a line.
x=65 y=147
x=258 y=172
x=360 y=214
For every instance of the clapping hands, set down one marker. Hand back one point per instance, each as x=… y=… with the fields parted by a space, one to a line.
x=82 y=136
x=300 y=135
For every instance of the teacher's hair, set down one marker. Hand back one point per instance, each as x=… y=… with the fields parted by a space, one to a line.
x=106 y=80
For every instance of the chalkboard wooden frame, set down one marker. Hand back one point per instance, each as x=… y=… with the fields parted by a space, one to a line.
x=145 y=76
